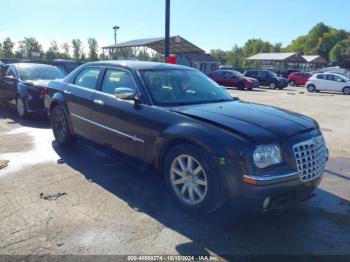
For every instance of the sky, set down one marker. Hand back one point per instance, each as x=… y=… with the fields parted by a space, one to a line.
x=210 y=24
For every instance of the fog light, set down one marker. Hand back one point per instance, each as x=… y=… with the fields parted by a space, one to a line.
x=266 y=202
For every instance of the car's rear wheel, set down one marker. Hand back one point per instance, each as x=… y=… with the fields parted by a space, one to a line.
x=21 y=107
x=240 y=86
x=311 y=88
x=346 y=91
x=60 y=126
x=292 y=83
x=272 y=85
x=193 y=179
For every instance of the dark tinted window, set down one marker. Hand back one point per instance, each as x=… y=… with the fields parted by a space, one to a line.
x=252 y=73
x=39 y=72
x=321 y=77
x=115 y=78
x=335 y=78
x=88 y=78
x=219 y=74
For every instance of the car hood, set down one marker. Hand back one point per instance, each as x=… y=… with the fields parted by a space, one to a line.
x=258 y=123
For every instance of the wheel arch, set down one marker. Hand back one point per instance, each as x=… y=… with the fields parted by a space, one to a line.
x=58 y=99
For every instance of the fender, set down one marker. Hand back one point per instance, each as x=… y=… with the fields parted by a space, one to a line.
x=187 y=132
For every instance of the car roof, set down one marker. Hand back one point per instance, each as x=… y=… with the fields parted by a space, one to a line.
x=22 y=65
x=140 y=65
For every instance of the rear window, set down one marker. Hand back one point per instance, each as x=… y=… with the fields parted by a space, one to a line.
x=39 y=72
x=321 y=77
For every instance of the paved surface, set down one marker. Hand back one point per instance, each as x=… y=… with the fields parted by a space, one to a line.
x=107 y=206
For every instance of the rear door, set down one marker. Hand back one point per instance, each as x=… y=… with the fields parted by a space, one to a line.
x=79 y=97
x=219 y=77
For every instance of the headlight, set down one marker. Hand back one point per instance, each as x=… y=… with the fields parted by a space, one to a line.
x=267 y=155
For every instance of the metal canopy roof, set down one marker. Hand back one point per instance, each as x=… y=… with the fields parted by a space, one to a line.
x=316 y=59
x=278 y=57
x=177 y=45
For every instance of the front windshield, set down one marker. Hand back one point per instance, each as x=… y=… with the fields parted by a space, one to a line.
x=39 y=72
x=182 y=87
x=236 y=73
x=272 y=74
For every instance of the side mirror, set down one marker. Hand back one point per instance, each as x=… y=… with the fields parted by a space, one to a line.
x=10 y=78
x=124 y=93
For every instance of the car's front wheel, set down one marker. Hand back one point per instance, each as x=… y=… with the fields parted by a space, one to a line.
x=240 y=86
x=346 y=91
x=292 y=83
x=272 y=85
x=311 y=88
x=21 y=107
x=193 y=179
x=60 y=127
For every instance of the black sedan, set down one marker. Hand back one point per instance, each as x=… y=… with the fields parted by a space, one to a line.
x=26 y=84
x=209 y=147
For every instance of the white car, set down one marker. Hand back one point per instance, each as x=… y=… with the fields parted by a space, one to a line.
x=329 y=82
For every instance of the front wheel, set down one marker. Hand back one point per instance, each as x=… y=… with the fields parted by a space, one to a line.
x=21 y=107
x=272 y=85
x=292 y=83
x=193 y=179
x=60 y=126
x=240 y=86
x=311 y=88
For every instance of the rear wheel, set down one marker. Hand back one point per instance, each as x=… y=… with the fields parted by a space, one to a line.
x=60 y=126
x=346 y=91
x=240 y=86
x=193 y=179
x=311 y=88
x=21 y=107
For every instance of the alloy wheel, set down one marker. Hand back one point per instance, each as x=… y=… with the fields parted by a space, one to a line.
x=20 y=107
x=188 y=179
x=60 y=125
x=272 y=85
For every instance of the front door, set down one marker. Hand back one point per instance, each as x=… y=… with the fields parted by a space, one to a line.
x=8 y=88
x=79 y=97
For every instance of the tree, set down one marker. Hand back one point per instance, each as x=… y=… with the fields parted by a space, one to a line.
x=340 y=53
x=65 y=50
x=29 y=46
x=78 y=52
x=93 y=49
x=7 y=48
x=53 y=51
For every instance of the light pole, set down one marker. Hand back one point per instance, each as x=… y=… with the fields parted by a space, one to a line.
x=115 y=28
x=167 y=30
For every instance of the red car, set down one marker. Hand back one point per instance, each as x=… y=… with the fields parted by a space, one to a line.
x=232 y=78
x=298 y=78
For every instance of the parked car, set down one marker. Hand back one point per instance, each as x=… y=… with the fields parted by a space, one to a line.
x=267 y=78
x=298 y=78
x=209 y=147
x=286 y=73
x=26 y=84
x=232 y=78
x=329 y=82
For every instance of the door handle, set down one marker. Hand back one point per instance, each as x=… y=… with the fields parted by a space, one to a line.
x=99 y=102
x=66 y=92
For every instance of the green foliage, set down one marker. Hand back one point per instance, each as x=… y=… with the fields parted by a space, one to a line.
x=340 y=53
x=6 y=50
x=78 y=52
x=28 y=47
x=52 y=52
x=93 y=49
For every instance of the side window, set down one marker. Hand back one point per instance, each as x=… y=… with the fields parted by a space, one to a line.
x=228 y=74
x=322 y=77
x=10 y=72
x=219 y=74
x=115 y=78
x=88 y=78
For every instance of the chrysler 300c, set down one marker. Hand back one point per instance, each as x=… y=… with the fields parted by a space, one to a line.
x=209 y=147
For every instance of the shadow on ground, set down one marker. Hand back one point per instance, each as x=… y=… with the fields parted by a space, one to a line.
x=320 y=226
x=8 y=111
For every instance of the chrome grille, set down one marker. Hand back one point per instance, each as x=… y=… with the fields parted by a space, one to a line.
x=311 y=157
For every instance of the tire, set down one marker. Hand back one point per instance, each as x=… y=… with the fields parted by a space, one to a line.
x=240 y=86
x=292 y=83
x=346 y=91
x=21 y=107
x=202 y=178
x=60 y=127
x=311 y=88
x=272 y=85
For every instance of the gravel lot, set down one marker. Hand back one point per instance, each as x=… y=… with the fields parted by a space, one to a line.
x=111 y=207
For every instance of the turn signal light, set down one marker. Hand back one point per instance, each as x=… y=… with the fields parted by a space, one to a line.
x=249 y=180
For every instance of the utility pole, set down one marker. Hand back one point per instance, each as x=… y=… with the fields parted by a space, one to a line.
x=167 y=30
x=115 y=28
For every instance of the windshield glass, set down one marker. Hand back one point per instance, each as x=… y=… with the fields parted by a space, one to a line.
x=181 y=87
x=236 y=73
x=39 y=72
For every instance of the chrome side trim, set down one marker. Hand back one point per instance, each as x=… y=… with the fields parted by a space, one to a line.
x=134 y=138
x=272 y=178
